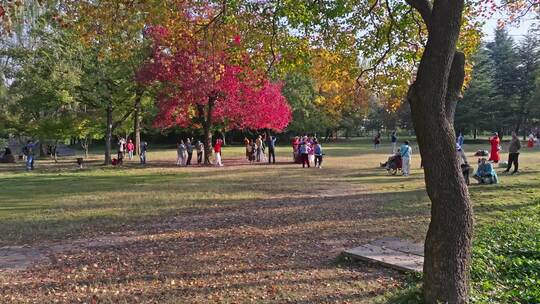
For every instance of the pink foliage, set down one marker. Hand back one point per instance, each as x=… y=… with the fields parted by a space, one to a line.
x=189 y=75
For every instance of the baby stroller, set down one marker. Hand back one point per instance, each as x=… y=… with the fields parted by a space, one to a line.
x=393 y=165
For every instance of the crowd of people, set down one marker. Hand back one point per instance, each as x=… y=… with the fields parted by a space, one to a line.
x=257 y=148
x=128 y=147
x=307 y=150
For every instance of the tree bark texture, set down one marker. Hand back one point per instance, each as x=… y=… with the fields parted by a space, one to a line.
x=108 y=135
x=137 y=123
x=207 y=126
x=433 y=97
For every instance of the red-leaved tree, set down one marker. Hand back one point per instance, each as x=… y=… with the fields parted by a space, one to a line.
x=201 y=85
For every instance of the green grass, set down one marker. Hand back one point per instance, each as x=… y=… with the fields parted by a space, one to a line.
x=59 y=200
x=350 y=200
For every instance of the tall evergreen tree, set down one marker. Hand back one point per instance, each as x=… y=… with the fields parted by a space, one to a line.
x=529 y=68
x=503 y=53
x=476 y=110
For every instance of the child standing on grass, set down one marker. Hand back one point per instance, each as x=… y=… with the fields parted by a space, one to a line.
x=318 y=154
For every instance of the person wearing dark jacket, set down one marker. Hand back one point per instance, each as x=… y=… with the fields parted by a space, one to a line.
x=271 y=144
x=513 y=155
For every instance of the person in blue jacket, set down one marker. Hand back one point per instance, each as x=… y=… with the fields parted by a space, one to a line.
x=485 y=174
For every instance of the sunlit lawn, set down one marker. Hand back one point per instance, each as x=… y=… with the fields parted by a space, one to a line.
x=239 y=233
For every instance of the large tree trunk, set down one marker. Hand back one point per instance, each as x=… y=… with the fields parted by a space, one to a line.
x=108 y=134
x=433 y=98
x=137 y=123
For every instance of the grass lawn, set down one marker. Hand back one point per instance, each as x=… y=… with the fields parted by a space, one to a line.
x=238 y=234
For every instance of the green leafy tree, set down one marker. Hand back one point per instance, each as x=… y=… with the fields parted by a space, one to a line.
x=42 y=101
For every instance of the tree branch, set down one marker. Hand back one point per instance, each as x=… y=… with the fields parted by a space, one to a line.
x=424 y=7
x=388 y=43
x=121 y=120
x=455 y=84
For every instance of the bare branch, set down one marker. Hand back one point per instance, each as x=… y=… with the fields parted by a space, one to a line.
x=388 y=44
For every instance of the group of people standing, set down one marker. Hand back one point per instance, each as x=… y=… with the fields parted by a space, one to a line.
x=256 y=149
x=185 y=149
x=307 y=150
x=128 y=147
x=184 y=152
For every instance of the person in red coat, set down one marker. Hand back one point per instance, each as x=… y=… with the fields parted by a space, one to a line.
x=217 y=151
x=495 y=148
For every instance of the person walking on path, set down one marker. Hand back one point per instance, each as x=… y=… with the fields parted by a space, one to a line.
x=130 y=148
x=513 y=155
x=199 y=146
x=181 y=154
x=142 y=156
x=271 y=144
x=393 y=139
x=495 y=148
x=318 y=155
x=406 y=152
x=217 y=151
x=304 y=151
x=189 y=149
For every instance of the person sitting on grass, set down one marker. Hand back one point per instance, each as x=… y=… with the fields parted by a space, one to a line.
x=485 y=174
